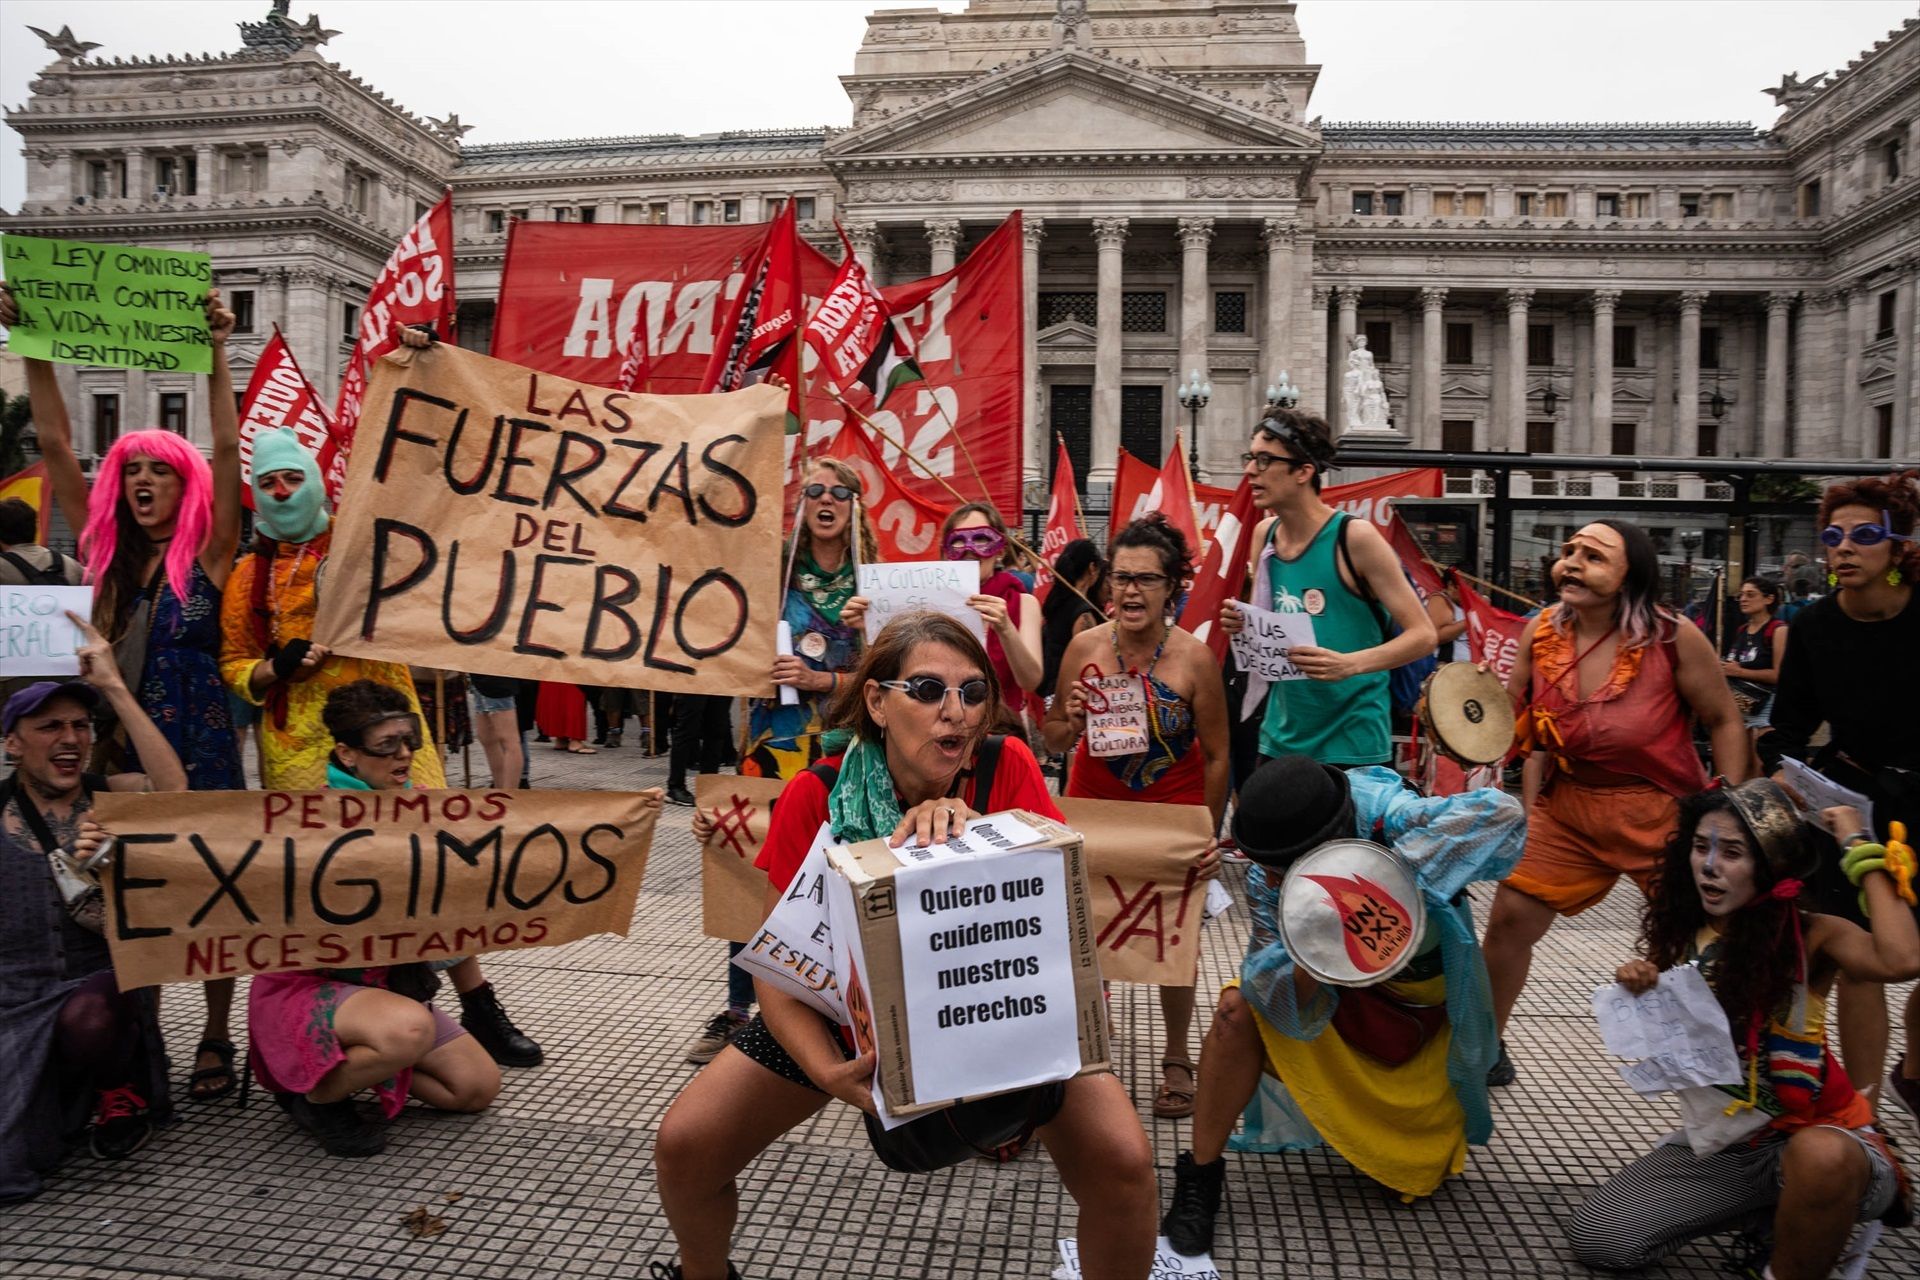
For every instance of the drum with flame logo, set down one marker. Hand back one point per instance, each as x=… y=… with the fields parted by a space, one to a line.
x=1351 y=913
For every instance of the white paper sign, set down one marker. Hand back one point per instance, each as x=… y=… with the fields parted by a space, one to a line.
x=1263 y=649
x=988 y=973
x=1116 y=715
x=1678 y=1031
x=940 y=585
x=36 y=636
x=996 y=833
x=794 y=948
x=1822 y=792
x=1167 y=1265
x=783 y=645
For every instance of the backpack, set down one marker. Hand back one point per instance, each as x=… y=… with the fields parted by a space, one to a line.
x=1404 y=682
x=54 y=575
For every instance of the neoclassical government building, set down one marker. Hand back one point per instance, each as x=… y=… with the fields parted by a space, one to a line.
x=1686 y=289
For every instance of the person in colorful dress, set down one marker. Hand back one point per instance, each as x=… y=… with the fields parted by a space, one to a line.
x=1610 y=682
x=1298 y=1055
x=158 y=532
x=825 y=617
x=1796 y=1142
x=1186 y=760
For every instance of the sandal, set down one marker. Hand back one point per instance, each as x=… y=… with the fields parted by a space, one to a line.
x=581 y=749
x=222 y=1049
x=1172 y=1103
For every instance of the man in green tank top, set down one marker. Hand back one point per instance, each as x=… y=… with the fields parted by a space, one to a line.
x=1309 y=558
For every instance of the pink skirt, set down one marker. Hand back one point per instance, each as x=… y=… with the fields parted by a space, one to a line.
x=290 y=1029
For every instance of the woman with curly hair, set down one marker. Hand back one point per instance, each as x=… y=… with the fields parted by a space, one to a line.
x=1185 y=760
x=1849 y=666
x=1728 y=899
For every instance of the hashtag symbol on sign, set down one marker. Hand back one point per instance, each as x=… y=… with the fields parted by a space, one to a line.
x=731 y=826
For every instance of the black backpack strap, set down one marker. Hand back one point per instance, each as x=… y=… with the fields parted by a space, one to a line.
x=986 y=763
x=32 y=577
x=1365 y=588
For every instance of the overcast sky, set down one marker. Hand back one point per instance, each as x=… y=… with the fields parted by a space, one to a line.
x=524 y=69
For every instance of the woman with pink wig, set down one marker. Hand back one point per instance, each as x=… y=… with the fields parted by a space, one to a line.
x=159 y=530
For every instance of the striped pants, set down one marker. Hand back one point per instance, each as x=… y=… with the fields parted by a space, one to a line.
x=1670 y=1196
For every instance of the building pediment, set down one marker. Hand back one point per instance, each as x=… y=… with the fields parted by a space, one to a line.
x=1068 y=335
x=1072 y=102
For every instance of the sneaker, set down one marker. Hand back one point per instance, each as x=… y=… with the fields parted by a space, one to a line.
x=121 y=1125
x=1188 y=1225
x=714 y=1037
x=486 y=1021
x=1501 y=1073
x=679 y=795
x=337 y=1125
x=1902 y=1090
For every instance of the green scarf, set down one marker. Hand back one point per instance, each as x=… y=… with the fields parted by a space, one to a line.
x=863 y=804
x=828 y=593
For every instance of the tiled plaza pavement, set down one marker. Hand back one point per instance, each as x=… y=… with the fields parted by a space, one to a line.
x=557 y=1181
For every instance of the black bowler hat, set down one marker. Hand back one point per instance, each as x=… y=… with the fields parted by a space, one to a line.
x=1291 y=805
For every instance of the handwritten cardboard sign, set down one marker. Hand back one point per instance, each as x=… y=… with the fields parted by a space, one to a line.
x=1116 y=716
x=940 y=585
x=1264 y=649
x=505 y=521
x=109 y=304
x=36 y=636
x=733 y=892
x=1147 y=903
x=1677 y=1030
x=1167 y=1263
x=793 y=947
x=211 y=884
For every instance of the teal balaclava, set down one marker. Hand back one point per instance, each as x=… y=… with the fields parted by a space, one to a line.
x=302 y=515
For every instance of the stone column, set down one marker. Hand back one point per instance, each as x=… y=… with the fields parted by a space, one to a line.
x=137 y=186
x=1348 y=296
x=865 y=238
x=679 y=210
x=1686 y=396
x=1039 y=448
x=1748 y=378
x=1579 y=408
x=1853 y=327
x=1276 y=312
x=1906 y=413
x=1196 y=311
x=1109 y=235
x=1773 y=422
x=1433 y=328
x=1516 y=426
x=206 y=171
x=1321 y=391
x=1600 y=417
x=277 y=282
x=1659 y=436
x=943 y=238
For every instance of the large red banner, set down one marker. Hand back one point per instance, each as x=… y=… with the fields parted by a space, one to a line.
x=1373 y=500
x=570 y=293
x=279 y=395
x=905 y=524
x=1063 y=522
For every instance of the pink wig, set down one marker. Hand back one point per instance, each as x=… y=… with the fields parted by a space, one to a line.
x=192 y=522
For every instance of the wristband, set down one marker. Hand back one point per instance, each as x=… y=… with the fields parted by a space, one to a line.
x=287 y=661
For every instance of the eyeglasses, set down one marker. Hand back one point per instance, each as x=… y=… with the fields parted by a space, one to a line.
x=1144 y=581
x=408 y=736
x=840 y=492
x=932 y=689
x=1864 y=535
x=1261 y=461
x=984 y=541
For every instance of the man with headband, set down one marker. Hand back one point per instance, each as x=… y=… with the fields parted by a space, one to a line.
x=1343 y=574
x=1609 y=683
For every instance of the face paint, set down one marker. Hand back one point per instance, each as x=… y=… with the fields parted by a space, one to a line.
x=1712 y=864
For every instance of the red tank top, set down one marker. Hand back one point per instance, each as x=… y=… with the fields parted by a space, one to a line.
x=1635 y=723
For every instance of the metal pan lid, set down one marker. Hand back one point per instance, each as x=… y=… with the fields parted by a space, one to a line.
x=1351 y=913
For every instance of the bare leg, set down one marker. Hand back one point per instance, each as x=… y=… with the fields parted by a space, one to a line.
x=1176 y=1007
x=499 y=734
x=728 y=1114
x=466 y=976
x=382 y=1033
x=1516 y=924
x=1824 y=1175
x=1864 y=1032
x=1230 y=1063
x=458 y=1076
x=1101 y=1152
x=218 y=1027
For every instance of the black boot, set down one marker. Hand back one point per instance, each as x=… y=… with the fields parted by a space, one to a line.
x=1501 y=1073
x=1188 y=1225
x=487 y=1022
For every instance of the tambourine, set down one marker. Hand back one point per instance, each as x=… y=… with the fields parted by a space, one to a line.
x=1351 y=913
x=1468 y=714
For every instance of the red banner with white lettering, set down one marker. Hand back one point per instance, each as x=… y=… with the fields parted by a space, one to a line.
x=1223 y=572
x=1493 y=634
x=905 y=524
x=1063 y=521
x=415 y=287
x=279 y=395
x=1373 y=500
x=570 y=292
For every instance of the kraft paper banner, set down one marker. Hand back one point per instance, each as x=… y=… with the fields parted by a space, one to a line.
x=1147 y=903
x=210 y=884
x=505 y=521
x=733 y=892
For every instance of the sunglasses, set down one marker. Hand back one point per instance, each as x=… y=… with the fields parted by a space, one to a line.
x=1864 y=535
x=1144 y=581
x=934 y=691
x=1261 y=461
x=840 y=492
x=978 y=542
x=390 y=745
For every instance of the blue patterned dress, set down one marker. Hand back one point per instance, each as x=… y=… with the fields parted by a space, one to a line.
x=181 y=688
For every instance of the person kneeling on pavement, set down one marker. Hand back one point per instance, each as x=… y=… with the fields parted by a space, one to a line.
x=1392 y=1076
x=74 y=1045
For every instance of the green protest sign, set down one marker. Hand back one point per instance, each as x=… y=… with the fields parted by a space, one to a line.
x=109 y=304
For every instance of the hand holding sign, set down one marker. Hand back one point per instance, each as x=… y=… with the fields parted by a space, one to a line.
x=1264 y=648
x=95 y=657
x=1116 y=715
x=944 y=586
x=38 y=636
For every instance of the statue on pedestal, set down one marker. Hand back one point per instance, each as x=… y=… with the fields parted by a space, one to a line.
x=1362 y=394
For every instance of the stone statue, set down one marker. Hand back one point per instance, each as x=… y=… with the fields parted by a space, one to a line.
x=1361 y=392
x=1793 y=90
x=1070 y=25
x=63 y=43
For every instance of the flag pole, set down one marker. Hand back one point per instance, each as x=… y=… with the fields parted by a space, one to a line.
x=1079 y=516
x=1482 y=582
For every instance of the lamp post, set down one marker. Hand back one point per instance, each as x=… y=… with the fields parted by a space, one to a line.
x=1689 y=543
x=1282 y=394
x=1194 y=395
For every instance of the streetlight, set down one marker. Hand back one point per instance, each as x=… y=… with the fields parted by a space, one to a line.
x=1282 y=394
x=1549 y=400
x=1193 y=398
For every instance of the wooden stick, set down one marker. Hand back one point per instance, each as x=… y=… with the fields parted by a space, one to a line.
x=1482 y=582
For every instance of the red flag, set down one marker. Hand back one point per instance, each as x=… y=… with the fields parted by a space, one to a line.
x=279 y=395
x=1493 y=635
x=636 y=370
x=29 y=484
x=1373 y=500
x=757 y=339
x=1063 y=522
x=1138 y=489
x=853 y=333
x=1223 y=572
x=414 y=287
x=905 y=524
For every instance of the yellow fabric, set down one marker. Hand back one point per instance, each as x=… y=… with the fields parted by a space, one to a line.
x=1401 y=1126
x=294 y=758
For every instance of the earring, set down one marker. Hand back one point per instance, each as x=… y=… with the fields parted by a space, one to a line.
x=1895 y=577
x=1833 y=579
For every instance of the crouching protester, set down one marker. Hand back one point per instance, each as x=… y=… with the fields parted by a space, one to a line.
x=80 y=1055
x=1793 y=1141
x=920 y=765
x=322 y=1035
x=1390 y=1075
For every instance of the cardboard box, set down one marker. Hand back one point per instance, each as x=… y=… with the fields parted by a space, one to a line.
x=970 y=968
